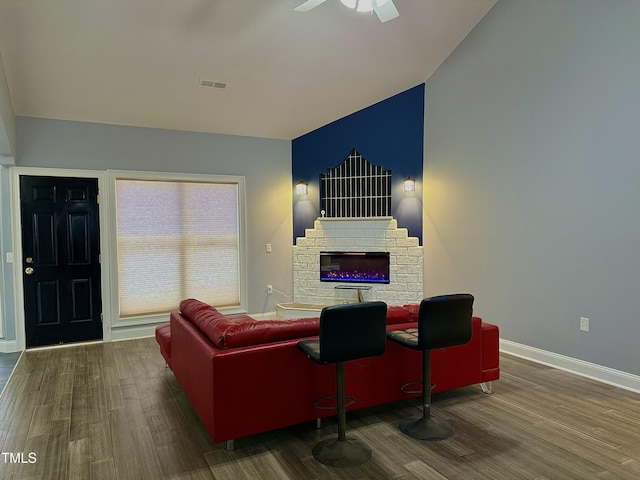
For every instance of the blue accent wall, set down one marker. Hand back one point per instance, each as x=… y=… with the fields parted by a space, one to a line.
x=388 y=133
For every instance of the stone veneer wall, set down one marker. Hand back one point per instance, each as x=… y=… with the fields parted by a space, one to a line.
x=358 y=235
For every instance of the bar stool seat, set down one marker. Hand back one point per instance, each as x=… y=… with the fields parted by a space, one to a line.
x=347 y=332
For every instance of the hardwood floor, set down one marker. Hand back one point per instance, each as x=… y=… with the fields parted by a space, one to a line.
x=114 y=411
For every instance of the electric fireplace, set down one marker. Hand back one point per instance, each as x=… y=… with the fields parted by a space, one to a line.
x=354 y=267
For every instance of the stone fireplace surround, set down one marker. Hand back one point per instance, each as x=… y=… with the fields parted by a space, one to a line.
x=358 y=235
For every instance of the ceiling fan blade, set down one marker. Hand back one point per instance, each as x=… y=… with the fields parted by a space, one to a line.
x=308 y=5
x=386 y=12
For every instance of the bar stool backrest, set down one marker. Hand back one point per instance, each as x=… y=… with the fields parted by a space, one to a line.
x=445 y=321
x=352 y=331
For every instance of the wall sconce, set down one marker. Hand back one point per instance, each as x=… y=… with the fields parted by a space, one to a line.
x=409 y=184
x=301 y=188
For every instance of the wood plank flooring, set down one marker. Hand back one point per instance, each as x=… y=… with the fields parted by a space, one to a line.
x=7 y=363
x=114 y=411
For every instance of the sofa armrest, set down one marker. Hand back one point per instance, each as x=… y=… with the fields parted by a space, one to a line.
x=490 y=352
x=192 y=365
x=163 y=337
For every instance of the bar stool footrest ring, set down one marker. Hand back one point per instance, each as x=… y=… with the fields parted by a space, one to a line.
x=349 y=400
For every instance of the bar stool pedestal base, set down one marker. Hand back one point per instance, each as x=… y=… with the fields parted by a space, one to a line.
x=425 y=429
x=341 y=453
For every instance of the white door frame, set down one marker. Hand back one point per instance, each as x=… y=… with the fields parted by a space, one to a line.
x=18 y=265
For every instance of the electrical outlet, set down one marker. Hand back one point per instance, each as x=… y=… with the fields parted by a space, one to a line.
x=269 y=288
x=584 y=324
x=268 y=248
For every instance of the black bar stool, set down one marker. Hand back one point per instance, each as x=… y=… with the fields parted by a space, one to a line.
x=443 y=321
x=347 y=332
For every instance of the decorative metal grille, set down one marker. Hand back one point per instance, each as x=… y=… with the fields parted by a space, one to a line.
x=356 y=188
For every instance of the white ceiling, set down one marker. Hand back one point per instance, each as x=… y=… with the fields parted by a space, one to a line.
x=139 y=62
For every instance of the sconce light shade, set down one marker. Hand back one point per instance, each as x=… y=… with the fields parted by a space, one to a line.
x=409 y=184
x=301 y=188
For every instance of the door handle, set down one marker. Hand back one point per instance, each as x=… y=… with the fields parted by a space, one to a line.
x=28 y=270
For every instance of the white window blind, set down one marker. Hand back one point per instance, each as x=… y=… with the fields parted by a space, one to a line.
x=176 y=240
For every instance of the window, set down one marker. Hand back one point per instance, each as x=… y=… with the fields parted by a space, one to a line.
x=177 y=239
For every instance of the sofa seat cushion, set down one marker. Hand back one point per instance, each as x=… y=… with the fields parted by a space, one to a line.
x=242 y=330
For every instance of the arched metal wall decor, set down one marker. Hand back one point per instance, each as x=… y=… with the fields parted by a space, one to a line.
x=355 y=189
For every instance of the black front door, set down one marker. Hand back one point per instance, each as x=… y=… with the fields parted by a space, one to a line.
x=61 y=259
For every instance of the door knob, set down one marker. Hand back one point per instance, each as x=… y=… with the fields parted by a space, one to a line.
x=28 y=270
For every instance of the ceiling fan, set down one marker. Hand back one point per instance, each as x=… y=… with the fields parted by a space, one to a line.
x=385 y=9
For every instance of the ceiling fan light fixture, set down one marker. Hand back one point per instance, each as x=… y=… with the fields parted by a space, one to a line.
x=385 y=9
x=365 y=6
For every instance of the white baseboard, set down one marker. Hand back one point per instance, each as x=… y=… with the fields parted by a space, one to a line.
x=8 y=346
x=117 y=334
x=131 y=333
x=607 y=375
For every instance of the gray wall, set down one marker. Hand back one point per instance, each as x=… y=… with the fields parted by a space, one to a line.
x=6 y=269
x=7 y=120
x=265 y=163
x=532 y=175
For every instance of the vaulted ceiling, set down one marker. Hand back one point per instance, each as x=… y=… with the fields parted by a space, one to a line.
x=140 y=62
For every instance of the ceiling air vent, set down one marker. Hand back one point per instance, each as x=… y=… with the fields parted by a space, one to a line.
x=212 y=84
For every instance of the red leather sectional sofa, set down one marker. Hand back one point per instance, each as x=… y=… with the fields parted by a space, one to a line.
x=245 y=377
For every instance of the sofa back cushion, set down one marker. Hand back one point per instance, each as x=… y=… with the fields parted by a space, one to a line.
x=242 y=330
x=397 y=314
x=412 y=309
x=266 y=331
x=207 y=319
